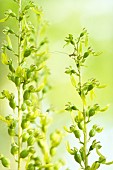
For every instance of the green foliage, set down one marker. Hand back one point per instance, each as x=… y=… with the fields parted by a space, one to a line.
x=27 y=124
x=81 y=117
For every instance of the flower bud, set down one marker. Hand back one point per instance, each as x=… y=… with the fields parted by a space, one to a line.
x=77 y=133
x=82 y=153
x=12 y=104
x=92 y=133
x=80 y=125
x=24 y=153
x=23 y=107
x=95 y=165
x=91 y=112
x=31 y=166
x=29 y=73
x=25 y=124
x=32 y=150
x=77 y=157
x=25 y=136
x=37 y=161
x=52 y=151
x=30 y=141
x=11 y=131
x=5 y=162
x=26 y=95
x=17 y=81
x=14 y=149
x=27 y=52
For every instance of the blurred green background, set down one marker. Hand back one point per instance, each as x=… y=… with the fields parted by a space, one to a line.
x=64 y=17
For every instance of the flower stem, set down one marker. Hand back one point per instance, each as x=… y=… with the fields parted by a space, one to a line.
x=84 y=114
x=19 y=88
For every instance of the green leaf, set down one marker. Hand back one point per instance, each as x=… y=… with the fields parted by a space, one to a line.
x=4 y=58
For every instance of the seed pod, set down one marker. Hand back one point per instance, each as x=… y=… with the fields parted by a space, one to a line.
x=12 y=104
x=92 y=133
x=30 y=141
x=17 y=81
x=24 y=153
x=77 y=133
x=11 y=131
x=25 y=136
x=5 y=162
x=26 y=95
x=77 y=157
x=14 y=149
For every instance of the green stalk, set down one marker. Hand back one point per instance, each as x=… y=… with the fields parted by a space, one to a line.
x=19 y=88
x=85 y=140
x=85 y=124
x=84 y=112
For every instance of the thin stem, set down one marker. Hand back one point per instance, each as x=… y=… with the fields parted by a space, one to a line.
x=85 y=123
x=84 y=112
x=19 y=89
x=85 y=140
